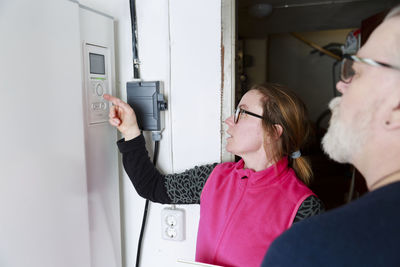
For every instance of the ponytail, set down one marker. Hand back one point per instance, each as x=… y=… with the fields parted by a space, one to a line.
x=283 y=107
x=302 y=168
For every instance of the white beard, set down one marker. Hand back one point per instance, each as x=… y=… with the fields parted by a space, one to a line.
x=342 y=142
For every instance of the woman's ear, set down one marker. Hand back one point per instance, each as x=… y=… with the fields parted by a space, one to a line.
x=278 y=130
x=393 y=119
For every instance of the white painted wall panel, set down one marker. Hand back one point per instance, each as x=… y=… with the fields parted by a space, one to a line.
x=196 y=81
x=186 y=56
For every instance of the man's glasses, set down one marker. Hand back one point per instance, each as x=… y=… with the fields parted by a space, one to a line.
x=239 y=111
x=347 y=71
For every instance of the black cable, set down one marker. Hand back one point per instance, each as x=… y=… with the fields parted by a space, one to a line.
x=136 y=75
x=155 y=156
x=135 y=53
x=146 y=207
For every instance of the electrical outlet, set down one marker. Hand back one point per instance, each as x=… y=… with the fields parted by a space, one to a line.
x=173 y=224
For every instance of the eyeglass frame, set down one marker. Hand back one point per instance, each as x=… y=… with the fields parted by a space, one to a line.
x=239 y=111
x=367 y=61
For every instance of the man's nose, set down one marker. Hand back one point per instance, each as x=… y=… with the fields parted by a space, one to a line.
x=342 y=87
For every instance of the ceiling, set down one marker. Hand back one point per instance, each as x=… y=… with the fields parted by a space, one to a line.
x=306 y=15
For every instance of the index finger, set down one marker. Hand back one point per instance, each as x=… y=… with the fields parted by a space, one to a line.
x=116 y=101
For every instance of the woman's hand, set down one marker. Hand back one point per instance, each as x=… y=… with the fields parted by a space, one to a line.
x=123 y=117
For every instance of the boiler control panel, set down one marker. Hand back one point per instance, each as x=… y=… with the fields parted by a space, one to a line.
x=97 y=82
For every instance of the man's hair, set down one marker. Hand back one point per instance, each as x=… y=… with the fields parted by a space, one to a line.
x=394 y=12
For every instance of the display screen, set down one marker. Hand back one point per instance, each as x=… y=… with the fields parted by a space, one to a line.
x=97 y=65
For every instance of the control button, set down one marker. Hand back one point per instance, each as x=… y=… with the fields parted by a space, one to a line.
x=99 y=90
x=98 y=106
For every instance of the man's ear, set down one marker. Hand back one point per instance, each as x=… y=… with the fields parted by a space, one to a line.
x=279 y=130
x=393 y=119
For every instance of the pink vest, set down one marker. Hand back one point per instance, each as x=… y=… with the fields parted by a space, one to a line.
x=242 y=212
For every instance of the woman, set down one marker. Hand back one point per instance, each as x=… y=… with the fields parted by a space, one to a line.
x=244 y=205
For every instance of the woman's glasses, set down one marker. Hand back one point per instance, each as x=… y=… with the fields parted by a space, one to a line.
x=347 y=71
x=240 y=111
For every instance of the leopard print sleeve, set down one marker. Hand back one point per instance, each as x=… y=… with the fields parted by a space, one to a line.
x=311 y=206
x=186 y=187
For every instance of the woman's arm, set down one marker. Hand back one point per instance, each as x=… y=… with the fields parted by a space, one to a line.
x=311 y=206
x=181 y=188
x=186 y=187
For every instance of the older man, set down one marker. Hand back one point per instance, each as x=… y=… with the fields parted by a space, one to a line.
x=364 y=131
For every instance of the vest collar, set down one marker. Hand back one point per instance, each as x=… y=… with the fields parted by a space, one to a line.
x=269 y=176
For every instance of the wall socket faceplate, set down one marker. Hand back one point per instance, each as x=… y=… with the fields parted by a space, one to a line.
x=173 y=224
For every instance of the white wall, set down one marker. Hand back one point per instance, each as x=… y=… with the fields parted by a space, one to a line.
x=186 y=56
x=179 y=44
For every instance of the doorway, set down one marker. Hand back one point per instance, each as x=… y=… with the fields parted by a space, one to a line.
x=267 y=50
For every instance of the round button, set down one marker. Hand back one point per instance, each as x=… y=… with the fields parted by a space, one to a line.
x=99 y=90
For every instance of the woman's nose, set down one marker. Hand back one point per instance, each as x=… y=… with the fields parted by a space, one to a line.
x=229 y=120
x=342 y=87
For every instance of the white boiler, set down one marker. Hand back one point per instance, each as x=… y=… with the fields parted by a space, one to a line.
x=59 y=182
